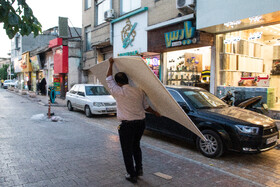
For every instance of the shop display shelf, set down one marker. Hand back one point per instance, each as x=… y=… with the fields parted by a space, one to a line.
x=222 y=53
x=240 y=71
x=179 y=71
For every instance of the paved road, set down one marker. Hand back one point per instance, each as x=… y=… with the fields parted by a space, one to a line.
x=84 y=151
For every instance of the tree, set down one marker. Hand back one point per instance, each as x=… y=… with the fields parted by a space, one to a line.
x=3 y=72
x=20 y=19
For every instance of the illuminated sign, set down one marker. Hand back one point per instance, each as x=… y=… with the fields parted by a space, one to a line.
x=255 y=19
x=128 y=34
x=232 y=23
x=232 y=40
x=255 y=35
x=181 y=37
x=152 y=61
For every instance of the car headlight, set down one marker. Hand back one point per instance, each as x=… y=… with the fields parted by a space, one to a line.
x=248 y=129
x=98 y=104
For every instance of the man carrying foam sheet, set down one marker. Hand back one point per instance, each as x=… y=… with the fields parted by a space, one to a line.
x=131 y=107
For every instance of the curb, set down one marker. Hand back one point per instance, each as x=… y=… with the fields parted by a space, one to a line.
x=39 y=101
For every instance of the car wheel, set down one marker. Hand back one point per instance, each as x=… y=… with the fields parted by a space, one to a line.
x=69 y=106
x=87 y=111
x=211 y=148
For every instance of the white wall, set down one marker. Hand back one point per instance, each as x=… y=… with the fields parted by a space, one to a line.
x=215 y=12
x=73 y=71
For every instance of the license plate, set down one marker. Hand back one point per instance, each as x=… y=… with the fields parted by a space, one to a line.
x=111 y=110
x=271 y=140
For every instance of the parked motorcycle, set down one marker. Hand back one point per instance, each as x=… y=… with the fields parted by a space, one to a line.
x=248 y=103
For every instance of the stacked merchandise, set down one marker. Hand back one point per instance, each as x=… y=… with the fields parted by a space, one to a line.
x=257 y=50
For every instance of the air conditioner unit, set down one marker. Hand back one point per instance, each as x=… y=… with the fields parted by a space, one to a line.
x=109 y=15
x=180 y=4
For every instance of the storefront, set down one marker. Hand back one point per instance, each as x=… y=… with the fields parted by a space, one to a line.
x=177 y=53
x=37 y=73
x=26 y=80
x=248 y=63
x=18 y=71
x=130 y=39
x=247 y=48
x=59 y=74
x=185 y=53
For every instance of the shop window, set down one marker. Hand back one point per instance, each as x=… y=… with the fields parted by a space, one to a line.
x=247 y=62
x=87 y=4
x=101 y=7
x=129 y=5
x=88 y=38
x=189 y=67
x=154 y=63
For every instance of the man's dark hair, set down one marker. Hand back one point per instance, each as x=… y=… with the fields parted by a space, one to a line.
x=121 y=78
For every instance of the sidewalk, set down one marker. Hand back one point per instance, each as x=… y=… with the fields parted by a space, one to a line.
x=82 y=152
x=41 y=99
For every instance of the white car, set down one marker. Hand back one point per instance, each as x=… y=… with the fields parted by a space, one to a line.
x=8 y=83
x=91 y=98
x=14 y=83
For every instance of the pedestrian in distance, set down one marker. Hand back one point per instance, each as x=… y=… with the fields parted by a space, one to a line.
x=38 y=86
x=43 y=86
x=29 y=85
x=131 y=108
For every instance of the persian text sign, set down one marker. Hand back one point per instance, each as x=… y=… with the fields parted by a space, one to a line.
x=180 y=37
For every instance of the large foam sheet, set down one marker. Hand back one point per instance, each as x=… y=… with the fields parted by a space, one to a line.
x=141 y=75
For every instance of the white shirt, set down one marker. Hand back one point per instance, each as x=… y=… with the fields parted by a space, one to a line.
x=131 y=102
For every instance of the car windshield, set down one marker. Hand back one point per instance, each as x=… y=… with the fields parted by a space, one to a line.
x=203 y=99
x=96 y=90
x=6 y=81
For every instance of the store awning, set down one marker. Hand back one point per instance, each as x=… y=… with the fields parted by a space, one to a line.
x=40 y=50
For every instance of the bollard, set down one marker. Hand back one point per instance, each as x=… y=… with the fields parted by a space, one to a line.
x=49 y=109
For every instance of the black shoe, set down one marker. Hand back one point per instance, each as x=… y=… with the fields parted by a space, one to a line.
x=130 y=178
x=139 y=172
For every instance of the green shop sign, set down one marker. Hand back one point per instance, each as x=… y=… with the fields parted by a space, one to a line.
x=181 y=37
x=131 y=53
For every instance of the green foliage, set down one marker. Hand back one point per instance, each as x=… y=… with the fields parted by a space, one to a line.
x=3 y=72
x=19 y=20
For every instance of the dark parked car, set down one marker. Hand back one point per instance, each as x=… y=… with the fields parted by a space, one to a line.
x=225 y=127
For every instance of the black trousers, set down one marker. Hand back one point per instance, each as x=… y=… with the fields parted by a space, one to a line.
x=130 y=133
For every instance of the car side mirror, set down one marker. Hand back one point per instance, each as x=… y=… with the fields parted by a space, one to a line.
x=81 y=93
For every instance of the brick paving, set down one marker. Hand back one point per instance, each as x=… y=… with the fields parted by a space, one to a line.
x=83 y=152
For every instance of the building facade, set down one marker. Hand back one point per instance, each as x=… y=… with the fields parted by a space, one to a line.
x=247 y=52
x=146 y=28
x=57 y=59
x=4 y=61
